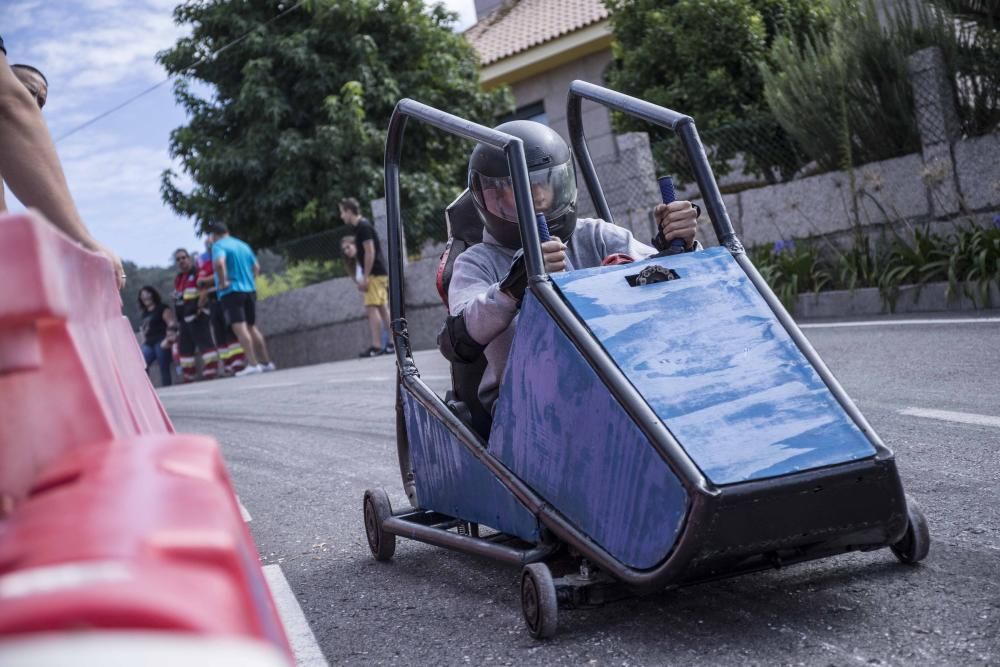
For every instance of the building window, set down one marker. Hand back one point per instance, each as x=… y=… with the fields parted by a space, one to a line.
x=534 y=111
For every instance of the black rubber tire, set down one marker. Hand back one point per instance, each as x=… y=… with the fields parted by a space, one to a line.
x=538 y=600
x=916 y=543
x=377 y=509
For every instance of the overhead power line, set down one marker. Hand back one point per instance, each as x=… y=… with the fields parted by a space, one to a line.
x=203 y=59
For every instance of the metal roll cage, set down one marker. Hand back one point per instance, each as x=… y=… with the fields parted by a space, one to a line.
x=705 y=497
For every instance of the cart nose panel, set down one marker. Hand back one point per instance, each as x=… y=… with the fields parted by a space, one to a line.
x=715 y=364
x=559 y=429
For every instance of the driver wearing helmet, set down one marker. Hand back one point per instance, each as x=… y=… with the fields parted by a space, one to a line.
x=489 y=279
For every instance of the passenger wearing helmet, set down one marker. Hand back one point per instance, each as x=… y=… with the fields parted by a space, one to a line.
x=489 y=279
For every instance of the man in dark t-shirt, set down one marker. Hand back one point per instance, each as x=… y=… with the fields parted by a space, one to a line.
x=372 y=279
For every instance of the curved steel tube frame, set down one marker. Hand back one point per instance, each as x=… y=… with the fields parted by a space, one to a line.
x=705 y=498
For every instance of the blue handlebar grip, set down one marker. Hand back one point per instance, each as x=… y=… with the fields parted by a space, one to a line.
x=667 y=194
x=543 y=228
x=666 y=189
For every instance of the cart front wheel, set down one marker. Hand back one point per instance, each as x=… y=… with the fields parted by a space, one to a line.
x=377 y=510
x=916 y=542
x=538 y=600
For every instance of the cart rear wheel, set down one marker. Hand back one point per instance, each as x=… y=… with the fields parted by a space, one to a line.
x=538 y=600
x=377 y=510
x=916 y=542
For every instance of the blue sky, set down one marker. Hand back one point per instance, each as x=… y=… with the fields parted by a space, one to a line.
x=96 y=54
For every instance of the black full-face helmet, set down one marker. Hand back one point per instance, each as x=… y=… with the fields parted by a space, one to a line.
x=553 y=183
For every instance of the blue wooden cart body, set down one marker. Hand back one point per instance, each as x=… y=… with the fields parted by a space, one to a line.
x=709 y=357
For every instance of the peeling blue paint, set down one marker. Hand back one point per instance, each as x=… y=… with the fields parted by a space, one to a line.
x=716 y=366
x=558 y=429
x=450 y=480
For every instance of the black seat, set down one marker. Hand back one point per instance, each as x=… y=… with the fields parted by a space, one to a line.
x=465 y=229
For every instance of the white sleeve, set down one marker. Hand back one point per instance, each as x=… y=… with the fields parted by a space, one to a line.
x=475 y=291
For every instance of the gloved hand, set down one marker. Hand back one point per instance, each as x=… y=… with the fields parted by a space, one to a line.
x=516 y=281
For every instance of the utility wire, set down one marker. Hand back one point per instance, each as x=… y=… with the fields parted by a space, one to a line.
x=171 y=77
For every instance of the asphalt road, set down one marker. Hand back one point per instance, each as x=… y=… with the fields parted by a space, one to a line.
x=302 y=445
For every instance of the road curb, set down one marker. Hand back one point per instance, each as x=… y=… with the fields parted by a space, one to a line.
x=927 y=298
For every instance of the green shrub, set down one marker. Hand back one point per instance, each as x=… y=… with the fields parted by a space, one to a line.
x=791 y=268
x=977 y=62
x=975 y=261
x=300 y=274
x=968 y=259
x=701 y=58
x=846 y=96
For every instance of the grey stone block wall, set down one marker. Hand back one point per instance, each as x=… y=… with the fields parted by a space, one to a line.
x=326 y=321
x=892 y=190
x=809 y=207
x=977 y=163
x=889 y=192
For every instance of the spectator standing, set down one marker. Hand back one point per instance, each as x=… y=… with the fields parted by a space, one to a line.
x=373 y=279
x=236 y=271
x=226 y=342
x=157 y=319
x=350 y=253
x=29 y=164
x=195 y=325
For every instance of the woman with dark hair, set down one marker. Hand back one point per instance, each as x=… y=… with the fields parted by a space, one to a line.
x=157 y=320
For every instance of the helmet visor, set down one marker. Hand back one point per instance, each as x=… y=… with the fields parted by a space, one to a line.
x=552 y=190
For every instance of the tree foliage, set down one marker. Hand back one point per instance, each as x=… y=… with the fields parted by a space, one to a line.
x=847 y=96
x=976 y=24
x=295 y=112
x=701 y=58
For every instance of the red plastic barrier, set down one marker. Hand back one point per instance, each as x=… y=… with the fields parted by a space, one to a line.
x=143 y=534
x=70 y=368
x=107 y=519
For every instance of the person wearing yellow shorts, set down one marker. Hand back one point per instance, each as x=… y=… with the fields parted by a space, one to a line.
x=371 y=275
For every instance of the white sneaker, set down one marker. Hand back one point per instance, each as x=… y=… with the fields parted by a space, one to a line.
x=268 y=367
x=251 y=370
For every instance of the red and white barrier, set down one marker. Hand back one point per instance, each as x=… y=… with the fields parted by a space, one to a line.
x=109 y=522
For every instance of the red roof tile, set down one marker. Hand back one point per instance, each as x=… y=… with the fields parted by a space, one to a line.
x=519 y=25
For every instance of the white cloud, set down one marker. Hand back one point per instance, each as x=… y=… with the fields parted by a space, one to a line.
x=96 y=54
x=466 y=12
x=87 y=49
x=20 y=15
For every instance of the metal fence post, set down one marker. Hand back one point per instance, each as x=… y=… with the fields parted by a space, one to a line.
x=937 y=121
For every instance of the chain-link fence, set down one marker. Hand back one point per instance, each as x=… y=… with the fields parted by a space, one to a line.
x=755 y=152
x=301 y=262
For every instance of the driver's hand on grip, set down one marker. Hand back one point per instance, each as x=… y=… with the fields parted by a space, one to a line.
x=677 y=220
x=554 y=255
x=516 y=281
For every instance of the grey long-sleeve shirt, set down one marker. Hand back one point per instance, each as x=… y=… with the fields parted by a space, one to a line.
x=490 y=314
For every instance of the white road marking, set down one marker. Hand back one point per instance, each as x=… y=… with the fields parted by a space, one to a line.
x=243 y=511
x=300 y=635
x=185 y=393
x=272 y=385
x=960 y=417
x=370 y=378
x=892 y=323
x=384 y=378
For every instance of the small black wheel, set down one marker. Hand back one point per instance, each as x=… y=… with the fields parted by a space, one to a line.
x=377 y=510
x=916 y=542
x=538 y=600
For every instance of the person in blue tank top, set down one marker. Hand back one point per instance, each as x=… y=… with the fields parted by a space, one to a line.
x=236 y=271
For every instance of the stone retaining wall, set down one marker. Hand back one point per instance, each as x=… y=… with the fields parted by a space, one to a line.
x=326 y=321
